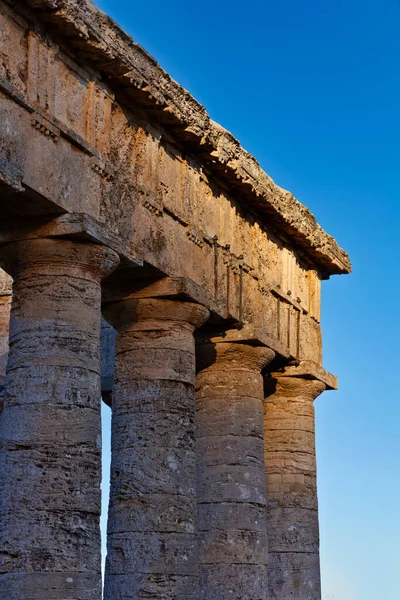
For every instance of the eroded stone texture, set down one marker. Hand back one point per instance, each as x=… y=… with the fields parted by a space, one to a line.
x=107 y=356
x=90 y=123
x=152 y=545
x=5 y=307
x=99 y=144
x=293 y=533
x=98 y=40
x=231 y=471
x=50 y=435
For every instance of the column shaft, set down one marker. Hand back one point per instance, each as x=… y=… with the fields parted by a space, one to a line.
x=293 y=531
x=50 y=434
x=5 y=307
x=231 y=472
x=152 y=545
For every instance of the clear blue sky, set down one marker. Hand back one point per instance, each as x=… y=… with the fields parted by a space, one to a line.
x=312 y=90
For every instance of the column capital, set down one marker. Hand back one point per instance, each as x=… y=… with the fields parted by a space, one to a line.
x=130 y=310
x=78 y=227
x=158 y=333
x=232 y=356
x=169 y=288
x=246 y=334
x=293 y=387
x=5 y=284
x=309 y=369
x=57 y=255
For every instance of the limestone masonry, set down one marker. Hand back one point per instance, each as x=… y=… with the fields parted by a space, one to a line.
x=148 y=260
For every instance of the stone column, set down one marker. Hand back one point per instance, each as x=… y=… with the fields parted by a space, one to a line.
x=152 y=544
x=5 y=307
x=231 y=471
x=293 y=532
x=50 y=434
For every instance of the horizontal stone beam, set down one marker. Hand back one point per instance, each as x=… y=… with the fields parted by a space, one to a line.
x=74 y=226
x=185 y=289
x=128 y=67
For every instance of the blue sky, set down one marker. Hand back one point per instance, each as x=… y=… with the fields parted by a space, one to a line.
x=312 y=90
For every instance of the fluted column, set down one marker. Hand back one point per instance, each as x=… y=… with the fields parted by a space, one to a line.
x=293 y=531
x=50 y=434
x=152 y=545
x=231 y=471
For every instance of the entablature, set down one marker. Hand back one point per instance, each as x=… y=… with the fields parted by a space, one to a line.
x=115 y=67
x=84 y=150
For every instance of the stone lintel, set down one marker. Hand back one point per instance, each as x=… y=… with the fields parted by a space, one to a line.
x=308 y=369
x=77 y=226
x=129 y=67
x=184 y=288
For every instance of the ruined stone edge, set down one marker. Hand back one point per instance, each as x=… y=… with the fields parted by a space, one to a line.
x=100 y=40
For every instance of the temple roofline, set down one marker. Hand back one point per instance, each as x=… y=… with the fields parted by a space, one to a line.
x=133 y=74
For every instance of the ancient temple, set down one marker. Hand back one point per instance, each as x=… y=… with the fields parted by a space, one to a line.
x=121 y=199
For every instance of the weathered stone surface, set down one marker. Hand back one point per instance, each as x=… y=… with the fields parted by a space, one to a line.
x=5 y=307
x=231 y=491
x=293 y=533
x=177 y=191
x=236 y=581
x=310 y=370
x=107 y=357
x=148 y=585
x=47 y=585
x=152 y=543
x=50 y=435
x=102 y=150
x=123 y=61
x=294 y=576
x=79 y=227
